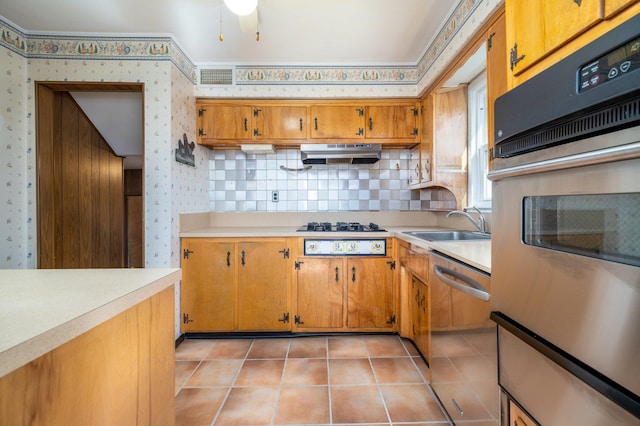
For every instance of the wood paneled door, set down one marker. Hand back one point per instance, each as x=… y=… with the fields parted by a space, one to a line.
x=80 y=186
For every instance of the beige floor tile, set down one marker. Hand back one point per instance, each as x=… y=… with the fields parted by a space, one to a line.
x=183 y=371
x=385 y=346
x=248 y=406
x=475 y=367
x=465 y=398
x=350 y=372
x=269 y=349
x=260 y=372
x=450 y=345
x=230 y=348
x=347 y=347
x=422 y=367
x=303 y=405
x=411 y=403
x=305 y=371
x=357 y=404
x=215 y=373
x=308 y=347
x=198 y=406
x=193 y=350
x=395 y=370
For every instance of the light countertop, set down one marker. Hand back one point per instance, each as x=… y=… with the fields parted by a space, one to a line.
x=475 y=253
x=41 y=309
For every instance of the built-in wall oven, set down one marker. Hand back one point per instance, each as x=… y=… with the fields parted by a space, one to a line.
x=566 y=238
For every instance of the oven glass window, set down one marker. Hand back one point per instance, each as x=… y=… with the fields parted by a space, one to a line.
x=603 y=226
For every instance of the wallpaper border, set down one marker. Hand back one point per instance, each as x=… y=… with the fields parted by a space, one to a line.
x=98 y=47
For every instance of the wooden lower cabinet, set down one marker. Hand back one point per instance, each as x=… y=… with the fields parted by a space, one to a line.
x=320 y=293
x=344 y=294
x=420 y=318
x=235 y=285
x=263 y=286
x=415 y=303
x=208 y=289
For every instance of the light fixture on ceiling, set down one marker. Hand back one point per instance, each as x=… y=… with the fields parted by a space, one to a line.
x=247 y=11
x=241 y=7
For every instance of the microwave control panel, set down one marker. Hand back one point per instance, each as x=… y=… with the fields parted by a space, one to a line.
x=614 y=64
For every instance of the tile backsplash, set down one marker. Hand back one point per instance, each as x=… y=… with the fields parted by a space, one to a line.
x=245 y=182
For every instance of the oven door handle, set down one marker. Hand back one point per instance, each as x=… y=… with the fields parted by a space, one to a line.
x=467 y=286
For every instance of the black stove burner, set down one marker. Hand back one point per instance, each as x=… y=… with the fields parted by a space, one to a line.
x=340 y=227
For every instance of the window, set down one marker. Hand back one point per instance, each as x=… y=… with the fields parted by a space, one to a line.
x=478 y=159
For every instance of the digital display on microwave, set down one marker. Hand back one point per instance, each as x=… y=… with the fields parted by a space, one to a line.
x=602 y=226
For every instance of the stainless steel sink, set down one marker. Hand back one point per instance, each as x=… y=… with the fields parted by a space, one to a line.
x=449 y=235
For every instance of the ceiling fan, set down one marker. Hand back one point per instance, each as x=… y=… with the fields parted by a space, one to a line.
x=247 y=11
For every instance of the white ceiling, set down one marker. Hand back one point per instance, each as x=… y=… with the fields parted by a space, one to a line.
x=358 y=32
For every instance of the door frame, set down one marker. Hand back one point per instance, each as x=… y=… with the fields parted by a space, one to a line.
x=45 y=111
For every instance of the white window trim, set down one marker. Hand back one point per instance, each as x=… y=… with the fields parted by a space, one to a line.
x=479 y=186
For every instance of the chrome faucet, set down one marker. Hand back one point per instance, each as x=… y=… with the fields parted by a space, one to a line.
x=481 y=224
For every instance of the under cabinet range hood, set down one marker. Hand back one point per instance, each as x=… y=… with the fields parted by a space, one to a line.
x=359 y=153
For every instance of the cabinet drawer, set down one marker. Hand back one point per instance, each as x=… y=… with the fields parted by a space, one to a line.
x=416 y=259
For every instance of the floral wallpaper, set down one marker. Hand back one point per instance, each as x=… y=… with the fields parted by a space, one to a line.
x=17 y=232
x=170 y=90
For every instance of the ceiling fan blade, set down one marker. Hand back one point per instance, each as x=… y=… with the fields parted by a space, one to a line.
x=249 y=23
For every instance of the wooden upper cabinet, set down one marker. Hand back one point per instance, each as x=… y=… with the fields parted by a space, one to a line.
x=392 y=122
x=224 y=122
x=537 y=27
x=337 y=121
x=496 y=72
x=611 y=7
x=274 y=122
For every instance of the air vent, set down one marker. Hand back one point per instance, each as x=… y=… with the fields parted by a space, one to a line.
x=216 y=76
x=606 y=119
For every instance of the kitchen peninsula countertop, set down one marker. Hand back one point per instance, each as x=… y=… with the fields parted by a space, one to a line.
x=41 y=309
x=475 y=253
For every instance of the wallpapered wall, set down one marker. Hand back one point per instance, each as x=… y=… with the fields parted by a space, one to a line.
x=169 y=77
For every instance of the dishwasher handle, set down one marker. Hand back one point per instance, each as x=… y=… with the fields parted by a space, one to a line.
x=467 y=286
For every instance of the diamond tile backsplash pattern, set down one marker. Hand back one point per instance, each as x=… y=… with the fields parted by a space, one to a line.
x=245 y=182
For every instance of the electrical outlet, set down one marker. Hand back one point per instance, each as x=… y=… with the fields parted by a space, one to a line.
x=275 y=196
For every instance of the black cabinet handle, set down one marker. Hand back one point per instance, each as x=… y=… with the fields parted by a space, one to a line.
x=370 y=123
x=228 y=258
x=353 y=274
x=315 y=120
x=301 y=124
x=242 y=259
x=337 y=274
x=245 y=125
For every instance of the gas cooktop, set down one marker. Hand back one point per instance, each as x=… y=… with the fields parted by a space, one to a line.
x=340 y=227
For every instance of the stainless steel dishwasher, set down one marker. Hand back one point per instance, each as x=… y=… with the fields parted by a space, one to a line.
x=463 y=342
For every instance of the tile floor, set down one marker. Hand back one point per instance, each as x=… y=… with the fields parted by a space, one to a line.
x=334 y=380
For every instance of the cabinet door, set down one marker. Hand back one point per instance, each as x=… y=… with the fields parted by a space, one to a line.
x=319 y=298
x=279 y=122
x=420 y=315
x=208 y=285
x=496 y=72
x=611 y=7
x=392 y=122
x=263 y=296
x=369 y=293
x=537 y=27
x=337 y=122
x=224 y=122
